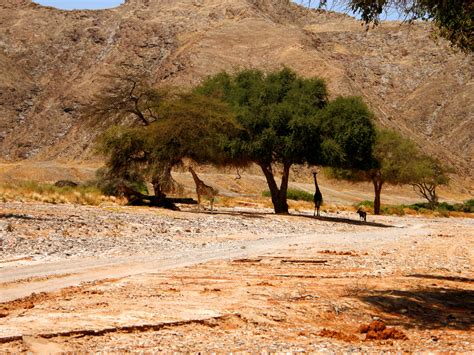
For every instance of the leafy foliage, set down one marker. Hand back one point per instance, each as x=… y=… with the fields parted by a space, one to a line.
x=348 y=134
x=428 y=174
x=190 y=126
x=275 y=112
x=286 y=119
x=294 y=194
x=193 y=126
x=390 y=161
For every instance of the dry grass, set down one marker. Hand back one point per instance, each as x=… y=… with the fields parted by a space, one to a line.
x=29 y=191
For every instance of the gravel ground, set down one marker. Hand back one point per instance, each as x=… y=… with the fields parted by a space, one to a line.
x=51 y=232
x=237 y=280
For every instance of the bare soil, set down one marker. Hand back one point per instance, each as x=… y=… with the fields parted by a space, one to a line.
x=128 y=279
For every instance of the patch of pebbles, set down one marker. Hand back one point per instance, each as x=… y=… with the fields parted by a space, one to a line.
x=62 y=231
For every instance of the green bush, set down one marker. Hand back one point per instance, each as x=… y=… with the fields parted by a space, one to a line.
x=108 y=185
x=467 y=206
x=366 y=203
x=391 y=210
x=294 y=194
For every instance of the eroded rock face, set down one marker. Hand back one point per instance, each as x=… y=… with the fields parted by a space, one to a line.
x=52 y=61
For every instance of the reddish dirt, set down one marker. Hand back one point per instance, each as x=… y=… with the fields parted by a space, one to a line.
x=377 y=330
x=407 y=293
x=327 y=333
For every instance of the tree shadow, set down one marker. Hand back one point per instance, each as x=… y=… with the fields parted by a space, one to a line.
x=440 y=277
x=429 y=308
x=262 y=214
x=20 y=216
x=347 y=221
x=232 y=213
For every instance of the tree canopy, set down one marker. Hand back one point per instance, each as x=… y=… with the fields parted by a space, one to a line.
x=190 y=126
x=129 y=94
x=286 y=120
x=428 y=174
x=272 y=119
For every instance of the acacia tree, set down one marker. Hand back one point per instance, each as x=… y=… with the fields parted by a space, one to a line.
x=397 y=161
x=428 y=174
x=190 y=126
x=286 y=120
x=128 y=93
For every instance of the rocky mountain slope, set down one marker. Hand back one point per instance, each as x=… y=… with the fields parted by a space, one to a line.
x=52 y=61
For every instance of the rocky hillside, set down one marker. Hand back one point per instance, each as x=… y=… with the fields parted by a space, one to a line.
x=52 y=61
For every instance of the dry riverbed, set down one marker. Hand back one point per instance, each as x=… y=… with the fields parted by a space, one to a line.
x=116 y=279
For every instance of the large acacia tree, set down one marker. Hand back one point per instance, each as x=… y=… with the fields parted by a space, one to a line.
x=285 y=119
x=189 y=126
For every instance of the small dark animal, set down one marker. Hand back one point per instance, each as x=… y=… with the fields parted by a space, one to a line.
x=362 y=215
x=65 y=183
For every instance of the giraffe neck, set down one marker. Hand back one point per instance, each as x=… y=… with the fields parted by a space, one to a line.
x=316 y=183
x=197 y=181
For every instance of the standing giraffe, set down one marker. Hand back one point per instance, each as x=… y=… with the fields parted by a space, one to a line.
x=203 y=190
x=318 y=197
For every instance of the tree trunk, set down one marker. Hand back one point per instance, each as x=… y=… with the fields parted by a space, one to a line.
x=138 y=199
x=280 y=205
x=378 y=190
x=159 y=194
x=427 y=191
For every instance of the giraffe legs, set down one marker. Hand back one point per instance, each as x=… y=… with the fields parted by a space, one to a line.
x=317 y=207
x=199 y=200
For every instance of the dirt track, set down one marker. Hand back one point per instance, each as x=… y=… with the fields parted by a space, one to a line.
x=246 y=281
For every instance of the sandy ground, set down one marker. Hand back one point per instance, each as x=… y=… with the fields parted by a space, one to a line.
x=120 y=279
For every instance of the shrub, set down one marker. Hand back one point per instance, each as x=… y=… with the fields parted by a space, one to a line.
x=391 y=210
x=466 y=206
x=294 y=194
x=366 y=203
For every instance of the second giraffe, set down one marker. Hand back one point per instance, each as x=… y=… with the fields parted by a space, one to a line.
x=203 y=190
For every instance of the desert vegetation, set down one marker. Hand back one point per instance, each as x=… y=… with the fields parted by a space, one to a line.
x=273 y=120
x=248 y=117
x=452 y=19
x=398 y=161
x=32 y=191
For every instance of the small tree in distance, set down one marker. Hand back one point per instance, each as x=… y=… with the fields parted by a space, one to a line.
x=398 y=161
x=428 y=174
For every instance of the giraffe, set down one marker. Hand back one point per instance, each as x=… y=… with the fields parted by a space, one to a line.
x=203 y=190
x=318 y=197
